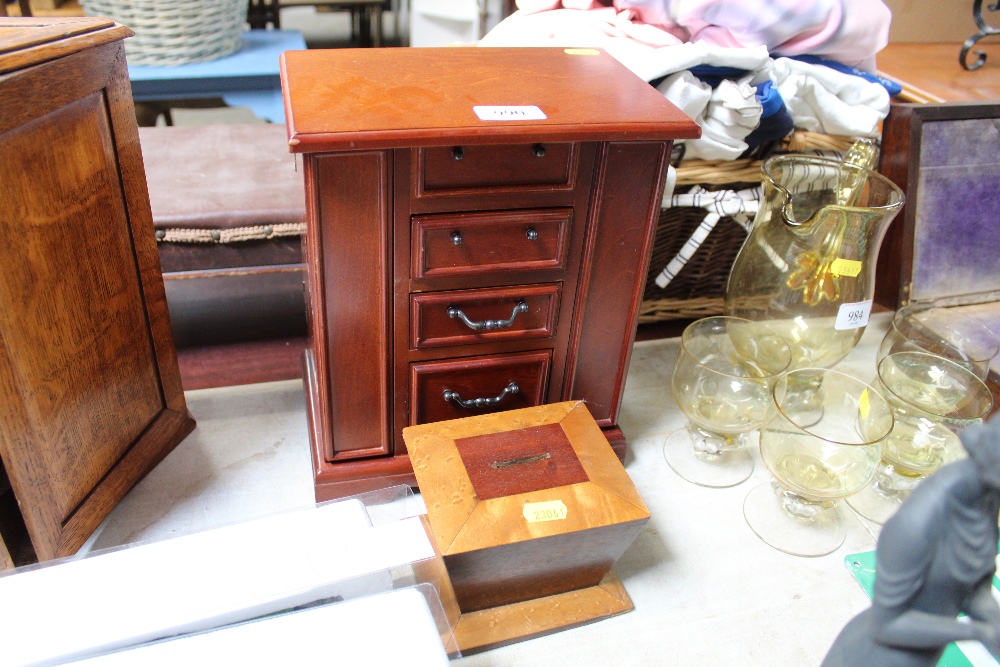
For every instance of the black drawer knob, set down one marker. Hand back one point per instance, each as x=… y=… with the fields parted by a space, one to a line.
x=532 y=234
x=456 y=238
x=538 y=150
x=457 y=153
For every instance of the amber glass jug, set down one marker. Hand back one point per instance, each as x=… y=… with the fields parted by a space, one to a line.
x=807 y=267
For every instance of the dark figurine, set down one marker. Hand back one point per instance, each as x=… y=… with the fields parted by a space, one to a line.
x=935 y=560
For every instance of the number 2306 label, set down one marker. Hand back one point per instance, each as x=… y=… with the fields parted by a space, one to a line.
x=551 y=510
x=509 y=113
x=853 y=315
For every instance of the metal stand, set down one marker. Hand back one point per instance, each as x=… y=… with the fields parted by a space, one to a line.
x=984 y=31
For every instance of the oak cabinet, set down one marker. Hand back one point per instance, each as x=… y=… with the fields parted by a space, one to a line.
x=90 y=394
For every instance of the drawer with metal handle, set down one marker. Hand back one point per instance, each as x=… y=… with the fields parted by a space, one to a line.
x=455 y=388
x=487 y=243
x=468 y=317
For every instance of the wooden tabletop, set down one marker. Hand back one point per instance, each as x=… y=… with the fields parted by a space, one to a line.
x=379 y=98
x=932 y=73
x=32 y=40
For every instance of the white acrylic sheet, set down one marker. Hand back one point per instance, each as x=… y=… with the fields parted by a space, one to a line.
x=201 y=581
x=347 y=633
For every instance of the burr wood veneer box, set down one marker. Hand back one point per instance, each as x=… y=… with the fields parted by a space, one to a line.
x=527 y=505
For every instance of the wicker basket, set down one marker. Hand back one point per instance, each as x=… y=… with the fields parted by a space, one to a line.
x=175 y=32
x=699 y=289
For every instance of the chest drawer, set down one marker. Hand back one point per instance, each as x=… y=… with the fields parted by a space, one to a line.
x=467 y=317
x=470 y=244
x=449 y=389
x=453 y=169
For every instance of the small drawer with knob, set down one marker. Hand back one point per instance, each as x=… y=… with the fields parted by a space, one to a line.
x=453 y=170
x=468 y=317
x=476 y=244
x=456 y=388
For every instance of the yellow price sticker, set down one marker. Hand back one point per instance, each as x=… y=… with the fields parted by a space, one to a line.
x=582 y=52
x=845 y=267
x=863 y=405
x=550 y=510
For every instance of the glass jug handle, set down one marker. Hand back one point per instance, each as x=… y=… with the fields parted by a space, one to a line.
x=863 y=154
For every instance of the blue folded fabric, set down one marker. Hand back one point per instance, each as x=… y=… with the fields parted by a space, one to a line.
x=713 y=75
x=771 y=130
x=891 y=86
x=770 y=99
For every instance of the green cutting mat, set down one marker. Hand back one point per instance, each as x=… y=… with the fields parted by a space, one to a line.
x=862 y=566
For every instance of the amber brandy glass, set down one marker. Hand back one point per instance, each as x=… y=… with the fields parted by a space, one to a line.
x=933 y=399
x=722 y=382
x=944 y=332
x=816 y=458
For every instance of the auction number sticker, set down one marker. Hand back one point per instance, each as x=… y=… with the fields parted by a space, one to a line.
x=853 y=315
x=510 y=113
x=845 y=267
x=550 y=510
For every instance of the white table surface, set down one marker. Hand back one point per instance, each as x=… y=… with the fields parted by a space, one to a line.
x=706 y=590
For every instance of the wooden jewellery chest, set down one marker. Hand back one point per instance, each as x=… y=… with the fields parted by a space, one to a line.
x=479 y=223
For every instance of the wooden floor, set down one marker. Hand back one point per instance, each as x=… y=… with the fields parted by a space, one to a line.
x=48 y=8
x=932 y=72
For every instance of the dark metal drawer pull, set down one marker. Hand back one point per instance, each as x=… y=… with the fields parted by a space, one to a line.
x=538 y=150
x=489 y=325
x=532 y=234
x=457 y=152
x=456 y=238
x=450 y=395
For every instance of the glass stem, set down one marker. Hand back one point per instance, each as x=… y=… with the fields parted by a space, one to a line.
x=798 y=506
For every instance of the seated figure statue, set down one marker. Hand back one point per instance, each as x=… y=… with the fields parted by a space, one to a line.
x=935 y=560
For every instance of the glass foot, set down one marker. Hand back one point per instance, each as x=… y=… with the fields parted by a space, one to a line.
x=817 y=535
x=874 y=506
x=728 y=467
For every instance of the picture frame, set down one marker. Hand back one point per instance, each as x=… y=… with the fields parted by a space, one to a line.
x=941 y=249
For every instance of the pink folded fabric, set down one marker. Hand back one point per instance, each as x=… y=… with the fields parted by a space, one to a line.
x=848 y=31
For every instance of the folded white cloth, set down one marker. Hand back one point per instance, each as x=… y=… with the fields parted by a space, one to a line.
x=821 y=99
x=669 y=59
x=647 y=50
x=726 y=115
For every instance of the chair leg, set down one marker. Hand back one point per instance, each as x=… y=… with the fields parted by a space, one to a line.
x=25 y=6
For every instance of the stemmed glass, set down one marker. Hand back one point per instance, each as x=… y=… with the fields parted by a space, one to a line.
x=722 y=382
x=816 y=457
x=943 y=332
x=933 y=399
